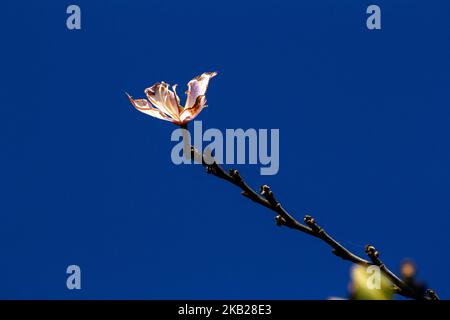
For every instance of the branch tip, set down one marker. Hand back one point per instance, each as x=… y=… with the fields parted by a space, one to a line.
x=234 y=174
x=280 y=221
x=283 y=218
x=268 y=194
x=432 y=294
x=371 y=251
x=311 y=222
x=265 y=189
x=374 y=255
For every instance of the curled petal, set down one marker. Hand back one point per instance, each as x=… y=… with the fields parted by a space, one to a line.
x=176 y=99
x=197 y=87
x=189 y=114
x=165 y=100
x=144 y=106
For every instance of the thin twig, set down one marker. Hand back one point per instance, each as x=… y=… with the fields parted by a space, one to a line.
x=267 y=199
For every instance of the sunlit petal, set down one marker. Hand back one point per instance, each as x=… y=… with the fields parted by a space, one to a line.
x=197 y=87
x=176 y=98
x=189 y=114
x=163 y=99
x=144 y=106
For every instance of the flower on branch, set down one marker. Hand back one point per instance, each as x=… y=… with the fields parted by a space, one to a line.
x=164 y=103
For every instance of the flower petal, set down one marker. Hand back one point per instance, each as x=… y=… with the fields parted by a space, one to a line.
x=144 y=106
x=197 y=87
x=190 y=113
x=164 y=99
x=176 y=98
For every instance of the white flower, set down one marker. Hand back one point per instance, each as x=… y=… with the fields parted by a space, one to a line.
x=164 y=104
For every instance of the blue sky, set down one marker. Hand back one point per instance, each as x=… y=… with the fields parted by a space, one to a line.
x=87 y=180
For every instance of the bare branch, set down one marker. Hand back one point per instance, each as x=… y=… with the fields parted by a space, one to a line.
x=267 y=199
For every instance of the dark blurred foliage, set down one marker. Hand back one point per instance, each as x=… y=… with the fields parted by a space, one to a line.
x=358 y=290
x=408 y=273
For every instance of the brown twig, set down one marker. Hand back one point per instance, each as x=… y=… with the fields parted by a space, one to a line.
x=267 y=199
